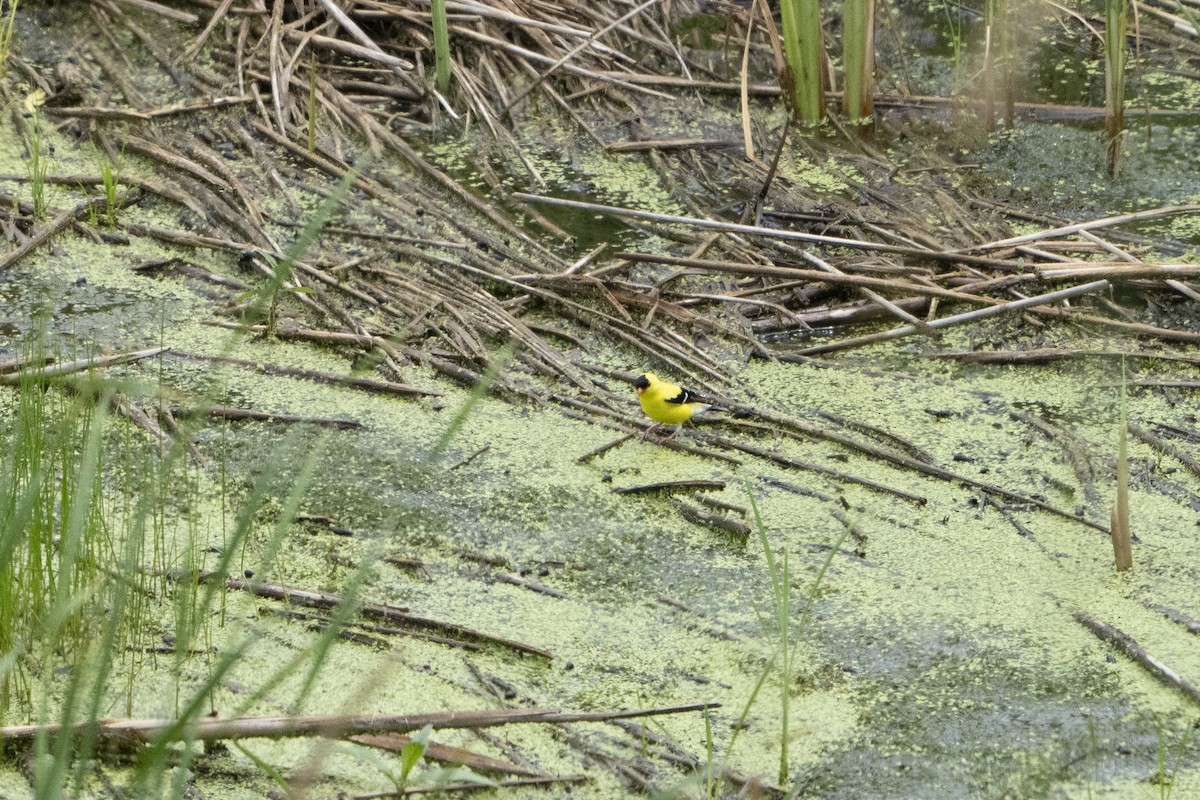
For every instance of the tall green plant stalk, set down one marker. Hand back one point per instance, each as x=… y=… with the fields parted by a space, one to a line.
x=441 y=45
x=954 y=25
x=1116 y=21
x=7 y=26
x=858 y=48
x=805 y=51
x=77 y=569
x=780 y=622
x=996 y=62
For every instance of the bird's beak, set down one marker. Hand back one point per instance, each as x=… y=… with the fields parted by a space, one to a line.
x=639 y=390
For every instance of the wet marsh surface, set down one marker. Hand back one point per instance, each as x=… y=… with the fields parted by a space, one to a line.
x=940 y=656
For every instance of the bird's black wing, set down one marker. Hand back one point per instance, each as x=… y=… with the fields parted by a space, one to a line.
x=684 y=396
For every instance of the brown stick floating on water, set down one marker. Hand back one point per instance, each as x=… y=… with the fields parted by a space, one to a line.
x=673 y=144
x=712 y=519
x=377 y=611
x=533 y=586
x=1189 y=624
x=54 y=226
x=773 y=233
x=248 y=414
x=1116 y=271
x=828 y=274
x=157 y=8
x=446 y=754
x=208 y=729
x=541 y=780
x=133 y=114
x=1136 y=328
x=79 y=365
x=320 y=376
x=1068 y=230
x=1127 y=645
x=795 y=463
x=1165 y=447
x=957 y=319
x=604 y=448
x=671 y=486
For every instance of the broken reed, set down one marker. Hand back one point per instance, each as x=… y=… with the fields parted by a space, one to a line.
x=858 y=52
x=312 y=102
x=805 y=53
x=1116 y=20
x=1122 y=547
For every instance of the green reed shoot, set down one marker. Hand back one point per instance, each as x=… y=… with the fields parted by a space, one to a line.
x=463 y=414
x=110 y=181
x=441 y=45
x=858 y=49
x=54 y=537
x=39 y=163
x=780 y=627
x=954 y=25
x=805 y=53
x=1167 y=774
x=264 y=301
x=7 y=27
x=1116 y=21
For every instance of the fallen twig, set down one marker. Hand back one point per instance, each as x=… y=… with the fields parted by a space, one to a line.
x=394 y=614
x=712 y=519
x=671 y=486
x=1126 y=644
x=958 y=319
x=208 y=729
x=353 y=381
x=79 y=365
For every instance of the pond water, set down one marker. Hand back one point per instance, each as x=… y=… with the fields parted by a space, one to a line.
x=936 y=649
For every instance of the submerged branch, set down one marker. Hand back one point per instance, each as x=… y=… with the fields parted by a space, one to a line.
x=330 y=726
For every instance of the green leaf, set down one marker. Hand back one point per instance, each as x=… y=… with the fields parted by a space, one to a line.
x=412 y=753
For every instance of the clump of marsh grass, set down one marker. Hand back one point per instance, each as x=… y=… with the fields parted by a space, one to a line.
x=38 y=164
x=110 y=182
x=81 y=553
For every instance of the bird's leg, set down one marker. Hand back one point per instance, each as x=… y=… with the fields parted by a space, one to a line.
x=647 y=432
x=674 y=433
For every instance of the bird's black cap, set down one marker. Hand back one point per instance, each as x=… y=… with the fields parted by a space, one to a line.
x=642 y=383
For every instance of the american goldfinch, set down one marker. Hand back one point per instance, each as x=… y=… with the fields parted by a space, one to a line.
x=666 y=403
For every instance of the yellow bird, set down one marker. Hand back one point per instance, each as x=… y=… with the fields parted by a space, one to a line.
x=666 y=403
